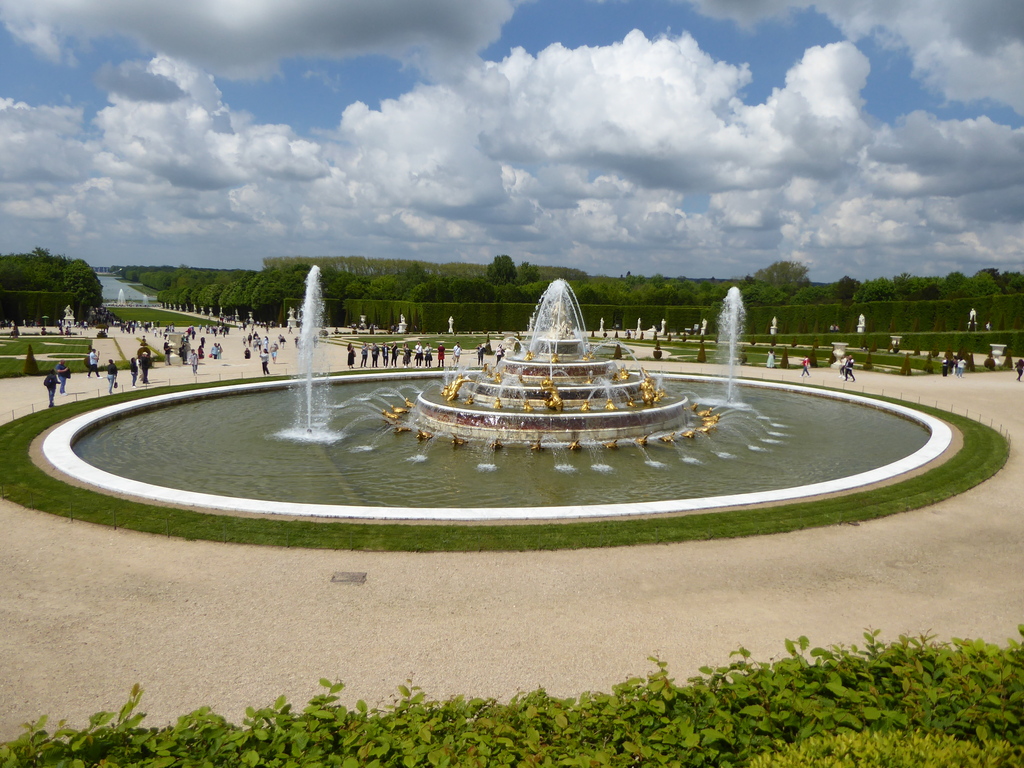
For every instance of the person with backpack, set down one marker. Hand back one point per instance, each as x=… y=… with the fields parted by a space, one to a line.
x=50 y=382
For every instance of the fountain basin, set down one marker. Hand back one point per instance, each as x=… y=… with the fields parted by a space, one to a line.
x=622 y=492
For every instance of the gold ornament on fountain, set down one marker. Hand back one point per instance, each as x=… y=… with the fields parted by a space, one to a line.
x=529 y=356
x=554 y=400
x=388 y=414
x=400 y=429
x=554 y=358
x=409 y=404
x=610 y=406
x=399 y=410
x=694 y=407
x=648 y=392
x=450 y=391
x=705 y=413
x=457 y=441
x=586 y=406
x=623 y=374
x=669 y=438
x=496 y=404
x=688 y=434
x=575 y=445
x=421 y=435
x=642 y=440
x=536 y=446
x=613 y=444
x=496 y=445
x=527 y=407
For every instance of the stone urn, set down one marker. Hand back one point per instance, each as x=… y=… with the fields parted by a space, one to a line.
x=839 y=350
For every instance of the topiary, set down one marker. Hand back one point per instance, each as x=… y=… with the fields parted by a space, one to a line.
x=868 y=364
x=657 y=350
x=618 y=352
x=905 y=369
x=784 y=363
x=813 y=357
x=929 y=366
x=1008 y=361
x=990 y=362
x=702 y=356
x=31 y=367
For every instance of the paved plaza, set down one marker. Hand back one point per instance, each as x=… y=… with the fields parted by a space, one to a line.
x=88 y=611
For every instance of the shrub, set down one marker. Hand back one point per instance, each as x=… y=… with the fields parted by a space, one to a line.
x=869 y=749
x=868 y=364
x=1008 y=362
x=657 y=349
x=929 y=365
x=702 y=356
x=31 y=367
x=785 y=358
x=905 y=367
x=813 y=357
x=990 y=362
x=618 y=352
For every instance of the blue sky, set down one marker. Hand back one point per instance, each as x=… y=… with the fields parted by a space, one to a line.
x=681 y=137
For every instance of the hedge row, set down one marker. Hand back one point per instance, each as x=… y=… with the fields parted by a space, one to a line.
x=1006 y=314
x=32 y=306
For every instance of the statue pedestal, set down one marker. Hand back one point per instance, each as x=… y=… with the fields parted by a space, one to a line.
x=839 y=350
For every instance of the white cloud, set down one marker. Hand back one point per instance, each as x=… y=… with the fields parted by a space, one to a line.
x=966 y=51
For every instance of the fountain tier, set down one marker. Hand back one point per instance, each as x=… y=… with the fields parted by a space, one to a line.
x=552 y=387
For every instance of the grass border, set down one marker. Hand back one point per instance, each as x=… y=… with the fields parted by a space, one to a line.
x=984 y=452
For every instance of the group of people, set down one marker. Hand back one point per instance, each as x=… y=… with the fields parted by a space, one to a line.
x=420 y=355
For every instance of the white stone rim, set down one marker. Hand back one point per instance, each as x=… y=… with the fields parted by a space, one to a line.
x=57 y=449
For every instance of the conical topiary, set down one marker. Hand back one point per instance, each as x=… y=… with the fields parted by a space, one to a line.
x=784 y=363
x=905 y=367
x=868 y=364
x=31 y=366
x=702 y=356
x=929 y=366
x=618 y=353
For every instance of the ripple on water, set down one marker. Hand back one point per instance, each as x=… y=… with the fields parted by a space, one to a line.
x=484 y=467
x=566 y=468
x=691 y=460
x=724 y=455
x=360 y=448
x=417 y=458
x=655 y=464
x=602 y=468
x=756 y=448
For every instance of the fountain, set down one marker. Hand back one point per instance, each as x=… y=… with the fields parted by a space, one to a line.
x=606 y=440
x=120 y=297
x=730 y=326
x=553 y=388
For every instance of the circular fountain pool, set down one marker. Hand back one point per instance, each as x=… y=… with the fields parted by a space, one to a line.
x=224 y=448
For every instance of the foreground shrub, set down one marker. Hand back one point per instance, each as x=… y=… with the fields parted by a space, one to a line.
x=969 y=691
x=892 y=750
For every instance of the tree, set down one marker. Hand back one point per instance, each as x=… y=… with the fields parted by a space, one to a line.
x=502 y=271
x=880 y=289
x=528 y=273
x=784 y=274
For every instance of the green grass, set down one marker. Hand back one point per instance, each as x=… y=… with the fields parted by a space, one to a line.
x=47 y=351
x=984 y=452
x=151 y=315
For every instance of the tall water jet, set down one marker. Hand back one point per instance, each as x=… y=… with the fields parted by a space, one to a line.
x=120 y=297
x=730 y=326
x=313 y=409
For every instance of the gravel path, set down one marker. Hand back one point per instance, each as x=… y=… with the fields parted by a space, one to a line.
x=88 y=611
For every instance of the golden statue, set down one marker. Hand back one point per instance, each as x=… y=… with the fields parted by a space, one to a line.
x=457 y=441
x=612 y=444
x=536 y=446
x=527 y=407
x=469 y=399
x=450 y=391
x=496 y=445
x=648 y=392
x=496 y=404
x=575 y=445
x=586 y=406
x=388 y=414
x=529 y=356
x=421 y=435
x=399 y=410
x=623 y=374
x=408 y=404
x=642 y=440
x=400 y=429
x=669 y=438
x=610 y=406
x=687 y=434
x=554 y=358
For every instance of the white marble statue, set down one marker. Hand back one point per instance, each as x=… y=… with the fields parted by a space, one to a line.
x=601 y=329
x=291 y=318
x=703 y=326
x=402 y=325
x=451 y=324
x=775 y=328
x=69 y=314
x=663 y=326
x=862 y=324
x=639 y=329
x=974 y=320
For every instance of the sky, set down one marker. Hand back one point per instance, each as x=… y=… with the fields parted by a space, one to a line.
x=697 y=138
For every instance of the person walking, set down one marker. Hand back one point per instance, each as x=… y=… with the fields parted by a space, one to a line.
x=133 y=369
x=456 y=354
x=807 y=368
x=1020 y=369
x=193 y=360
x=365 y=354
x=111 y=376
x=351 y=356
x=481 y=350
x=144 y=363
x=50 y=382
x=93 y=362
x=849 y=368
x=64 y=373
x=264 y=360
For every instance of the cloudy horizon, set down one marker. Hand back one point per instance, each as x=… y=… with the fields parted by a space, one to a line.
x=687 y=137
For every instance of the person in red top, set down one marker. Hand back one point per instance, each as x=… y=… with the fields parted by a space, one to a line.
x=440 y=355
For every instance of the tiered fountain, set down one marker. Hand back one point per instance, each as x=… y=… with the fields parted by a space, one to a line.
x=552 y=388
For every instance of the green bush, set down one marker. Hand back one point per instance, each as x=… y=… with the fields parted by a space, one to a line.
x=891 y=750
x=785 y=358
x=905 y=366
x=702 y=356
x=868 y=364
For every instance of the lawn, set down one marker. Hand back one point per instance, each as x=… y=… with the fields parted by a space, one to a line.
x=47 y=350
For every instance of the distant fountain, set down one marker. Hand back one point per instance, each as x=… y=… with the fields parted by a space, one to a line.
x=730 y=327
x=120 y=297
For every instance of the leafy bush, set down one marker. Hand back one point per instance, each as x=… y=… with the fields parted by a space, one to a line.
x=968 y=690
x=892 y=750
